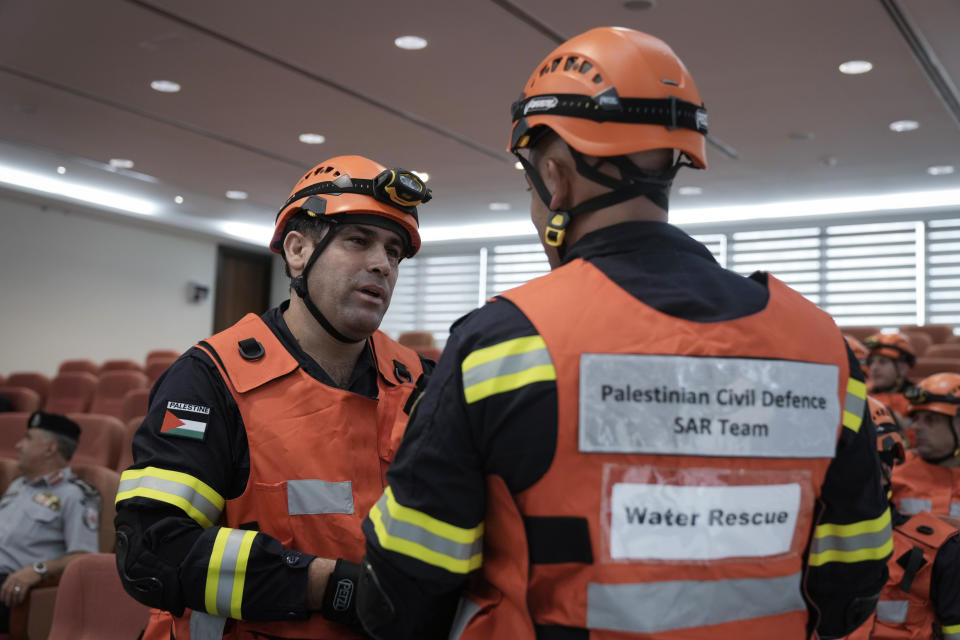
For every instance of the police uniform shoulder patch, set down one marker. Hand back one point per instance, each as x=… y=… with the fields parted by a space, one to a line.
x=91 y=518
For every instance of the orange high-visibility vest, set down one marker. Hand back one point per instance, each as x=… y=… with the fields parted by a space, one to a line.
x=318 y=458
x=905 y=611
x=919 y=485
x=621 y=497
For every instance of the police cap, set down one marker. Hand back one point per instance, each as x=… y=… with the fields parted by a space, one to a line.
x=54 y=423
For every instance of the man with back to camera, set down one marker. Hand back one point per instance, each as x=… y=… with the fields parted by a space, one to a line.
x=48 y=515
x=930 y=480
x=640 y=443
x=266 y=444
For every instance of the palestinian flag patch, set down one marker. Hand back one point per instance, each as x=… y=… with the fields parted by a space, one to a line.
x=181 y=423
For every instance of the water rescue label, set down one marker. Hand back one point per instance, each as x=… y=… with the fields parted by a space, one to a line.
x=730 y=407
x=671 y=522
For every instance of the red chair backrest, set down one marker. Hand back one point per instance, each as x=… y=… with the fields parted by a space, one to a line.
x=78 y=365
x=9 y=471
x=92 y=605
x=13 y=427
x=126 y=447
x=929 y=366
x=161 y=354
x=22 y=399
x=120 y=365
x=112 y=387
x=939 y=333
x=156 y=367
x=31 y=380
x=100 y=439
x=135 y=403
x=71 y=392
x=943 y=351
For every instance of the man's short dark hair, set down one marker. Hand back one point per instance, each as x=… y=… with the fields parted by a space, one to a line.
x=66 y=446
x=310 y=226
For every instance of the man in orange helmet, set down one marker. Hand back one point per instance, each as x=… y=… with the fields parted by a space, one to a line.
x=889 y=360
x=922 y=597
x=930 y=481
x=641 y=443
x=266 y=444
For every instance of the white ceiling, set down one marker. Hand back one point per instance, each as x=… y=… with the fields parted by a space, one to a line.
x=75 y=91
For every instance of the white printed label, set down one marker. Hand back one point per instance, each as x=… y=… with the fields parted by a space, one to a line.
x=669 y=522
x=728 y=407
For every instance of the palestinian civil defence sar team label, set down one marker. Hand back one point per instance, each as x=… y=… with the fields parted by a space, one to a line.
x=685 y=405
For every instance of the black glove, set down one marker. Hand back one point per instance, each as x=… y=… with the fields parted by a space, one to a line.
x=339 y=598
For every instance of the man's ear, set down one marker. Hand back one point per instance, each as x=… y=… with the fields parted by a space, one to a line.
x=557 y=178
x=296 y=249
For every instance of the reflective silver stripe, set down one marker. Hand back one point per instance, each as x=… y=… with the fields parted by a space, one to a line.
x=466 y=610
x=195 y=498
x=913 y=506
x=309 y=497
x=505 y=366
x=664 y=606
x=852 y=543
x=893 y=611
x=204 y=626
x=228 y=571
x=955 y=509
x=419 y=535
x=854 y=404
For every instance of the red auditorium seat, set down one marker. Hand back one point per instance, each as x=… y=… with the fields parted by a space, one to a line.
x=13 y=426
x=126 y=447
x=939 y=333
x=414 y=339
x=162 y=354
x=135 y=403
x=31 y=380
x=92 y=605
x=80 y=365
x=861 y=333
x=71 y=392
x=432 y=353
x=105 y=481
x=21 y=398
x=929 y=366
x=949 y=350
x=156 y=367
x=120 y=365
x=100 y=439
x=111 y=389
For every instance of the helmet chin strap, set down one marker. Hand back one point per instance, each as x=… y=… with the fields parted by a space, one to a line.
x=299 y=285
x=633 y=183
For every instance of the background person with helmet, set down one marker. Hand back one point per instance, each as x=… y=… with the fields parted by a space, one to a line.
x=930 y=481
x=266 y=444
x=890 y=359
x=640 y=443
x=922 y=596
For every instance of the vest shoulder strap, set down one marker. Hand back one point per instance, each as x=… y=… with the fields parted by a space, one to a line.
x=396 y=363
x=249 y=354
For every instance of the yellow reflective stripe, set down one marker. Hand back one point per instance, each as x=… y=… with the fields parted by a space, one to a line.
x=502 y=350
x=854 y=529
x=434 y=527
x=213 y=571
x=951 y=631
x=854 y=419
x=502 y=384
x=236 y=597
x=860 y=555
x=197 y=499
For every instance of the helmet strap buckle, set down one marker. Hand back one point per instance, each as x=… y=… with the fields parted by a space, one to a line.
x=556 y=229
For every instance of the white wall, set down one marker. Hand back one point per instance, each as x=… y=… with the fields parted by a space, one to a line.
x=78 y=286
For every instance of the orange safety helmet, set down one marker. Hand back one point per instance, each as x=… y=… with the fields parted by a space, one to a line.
x=891 y=345
x=939 y=393
x=360 y=188
x=613 y=91
x=859 y=351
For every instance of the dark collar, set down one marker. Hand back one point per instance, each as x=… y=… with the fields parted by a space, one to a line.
x=626 y=237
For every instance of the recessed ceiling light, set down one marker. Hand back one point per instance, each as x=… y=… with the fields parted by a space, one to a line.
x=235 y=194
x=855 y=67
x=829 y=161
x=312 y=138
x=518 y=165
x=61 y=170
x=178 y=199
x=639 y=5
x=904 y=125
x=690 y=191
x=499 y=206
x=423 y=175
x=165 y=86
x=410 y=43
x=121 y=163
x=941 y=170
x=801 y=135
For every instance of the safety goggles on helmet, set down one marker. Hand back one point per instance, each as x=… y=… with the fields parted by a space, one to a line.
x=919 y=395
x=397 y=187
